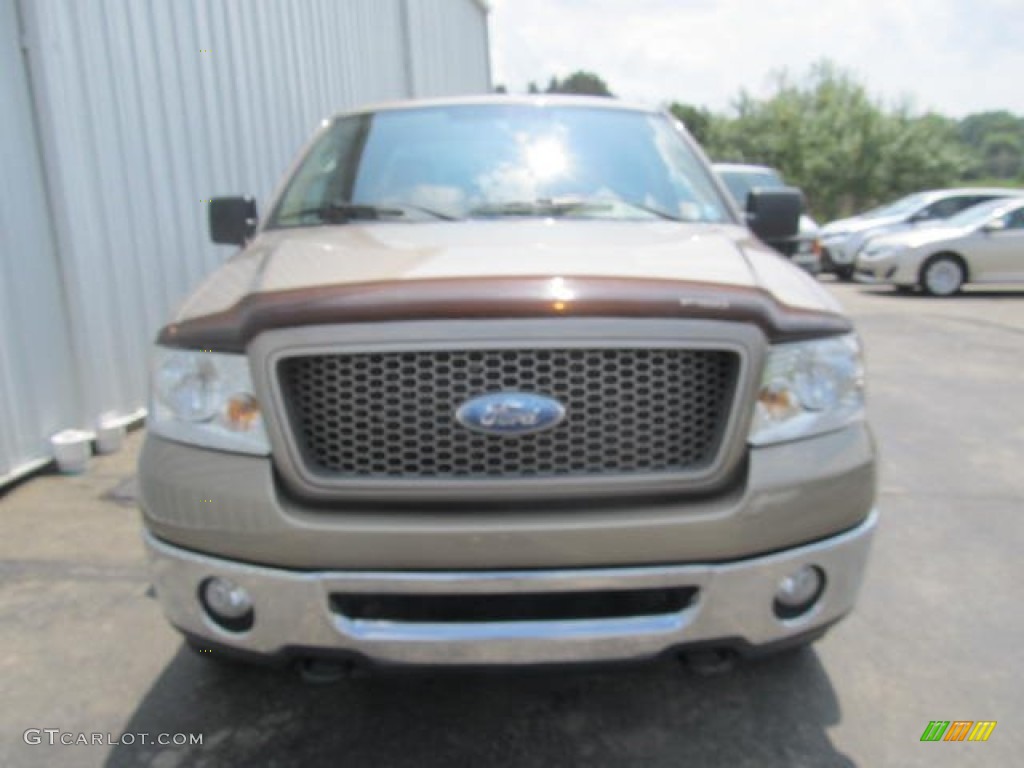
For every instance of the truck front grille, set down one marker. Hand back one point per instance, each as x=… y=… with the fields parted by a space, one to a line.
x=388 y=415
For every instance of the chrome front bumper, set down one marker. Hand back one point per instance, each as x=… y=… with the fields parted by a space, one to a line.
x=294 y=614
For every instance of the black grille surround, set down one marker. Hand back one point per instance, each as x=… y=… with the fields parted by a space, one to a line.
x=390 y=415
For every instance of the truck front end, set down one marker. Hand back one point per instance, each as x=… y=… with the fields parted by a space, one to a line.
x=480 y=390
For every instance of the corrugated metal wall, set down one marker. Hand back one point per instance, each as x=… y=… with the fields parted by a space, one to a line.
x=145 y=109
x=448 y=43
x=38 y=387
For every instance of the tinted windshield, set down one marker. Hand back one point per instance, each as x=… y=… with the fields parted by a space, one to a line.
x=500 y=160
x=740 y=183
x=977 y=215
x=902 y=207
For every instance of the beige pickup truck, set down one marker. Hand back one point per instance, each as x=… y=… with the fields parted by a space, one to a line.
x=506 y=381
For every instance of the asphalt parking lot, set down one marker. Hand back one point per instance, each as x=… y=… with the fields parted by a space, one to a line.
x=938 y=635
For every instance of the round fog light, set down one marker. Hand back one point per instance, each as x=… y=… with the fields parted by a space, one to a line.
x=227 y=603
x=799 y=591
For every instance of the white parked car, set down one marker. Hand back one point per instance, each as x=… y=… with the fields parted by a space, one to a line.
x=984 y=244
x=842 y=239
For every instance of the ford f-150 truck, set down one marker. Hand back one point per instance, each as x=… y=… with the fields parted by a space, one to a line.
x=506 y=380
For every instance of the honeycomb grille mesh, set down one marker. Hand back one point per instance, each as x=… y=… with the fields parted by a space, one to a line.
x=392 y=414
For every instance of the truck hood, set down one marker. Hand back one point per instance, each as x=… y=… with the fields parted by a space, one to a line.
x=496 y=258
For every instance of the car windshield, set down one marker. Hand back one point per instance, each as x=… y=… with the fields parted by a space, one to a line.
x=499 y=161
x=902 y=207
x=977 y=215
x=740 y=183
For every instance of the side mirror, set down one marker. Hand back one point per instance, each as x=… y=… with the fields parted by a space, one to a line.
x=774 y=214
x=232 y=219
x=996 y=225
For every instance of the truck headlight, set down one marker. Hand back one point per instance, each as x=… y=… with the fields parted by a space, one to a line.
x=808 y=388
x=207 y=399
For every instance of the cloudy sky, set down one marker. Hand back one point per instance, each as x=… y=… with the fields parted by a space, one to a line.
x=953 y=56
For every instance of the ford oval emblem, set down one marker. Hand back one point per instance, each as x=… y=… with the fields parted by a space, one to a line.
x=510 y=413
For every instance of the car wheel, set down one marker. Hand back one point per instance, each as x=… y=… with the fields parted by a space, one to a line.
x=942 y=276
x=844 y=273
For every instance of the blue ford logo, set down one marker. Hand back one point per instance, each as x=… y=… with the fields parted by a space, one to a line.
x=510 y=413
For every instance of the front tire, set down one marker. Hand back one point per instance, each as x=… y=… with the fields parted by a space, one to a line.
x=942 y=276
x=844 y=273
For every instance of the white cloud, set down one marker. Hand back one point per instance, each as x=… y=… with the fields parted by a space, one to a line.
x=954 y=56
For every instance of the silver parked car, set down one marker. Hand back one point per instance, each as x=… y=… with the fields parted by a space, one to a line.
x=804 y=249
x=842 y=239
x=984 y=244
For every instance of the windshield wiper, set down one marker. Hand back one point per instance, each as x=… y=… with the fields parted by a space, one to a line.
x=652 y=210
x=342 y=211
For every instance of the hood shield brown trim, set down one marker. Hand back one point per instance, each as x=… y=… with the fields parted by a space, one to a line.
x=494 y=298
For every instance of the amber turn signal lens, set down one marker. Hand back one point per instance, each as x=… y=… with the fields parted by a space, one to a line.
x=241 y=412
x=778 y=402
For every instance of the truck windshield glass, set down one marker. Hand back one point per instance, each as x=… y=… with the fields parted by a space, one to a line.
x=499 y=161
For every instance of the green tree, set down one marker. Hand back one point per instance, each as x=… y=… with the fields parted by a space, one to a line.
x=974 y=128
x=581 y=82
x=995 y=143
x=920 y=152
x=698 y=120
x=1002 y=154
x=827 y=135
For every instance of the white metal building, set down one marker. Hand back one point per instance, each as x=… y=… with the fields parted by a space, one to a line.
x=121 y=117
